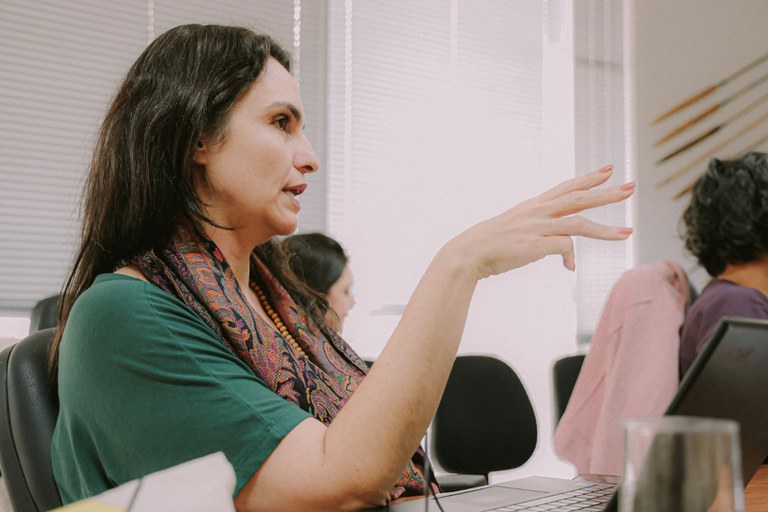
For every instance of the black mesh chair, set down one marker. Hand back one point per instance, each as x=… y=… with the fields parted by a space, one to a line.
x=485 y=422
x=44 y=314
x=564 y=374
x=30 y=406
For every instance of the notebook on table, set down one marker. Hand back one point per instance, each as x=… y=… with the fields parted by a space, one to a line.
x=729 y=380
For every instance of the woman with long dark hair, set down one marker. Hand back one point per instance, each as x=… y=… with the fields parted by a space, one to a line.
x=323 y=265
x=184 y=332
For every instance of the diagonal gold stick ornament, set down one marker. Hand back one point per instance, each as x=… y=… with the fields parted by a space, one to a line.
x=711 y=110
x=714 y=150
x=755 y=145
x=710 y=89
x=715 y=129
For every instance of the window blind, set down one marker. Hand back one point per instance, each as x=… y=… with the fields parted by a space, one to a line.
x=60 y=63
x=433 y=105
x=600 y=140
x=432 y=54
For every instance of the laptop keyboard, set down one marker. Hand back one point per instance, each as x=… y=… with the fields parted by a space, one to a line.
x=588 y=499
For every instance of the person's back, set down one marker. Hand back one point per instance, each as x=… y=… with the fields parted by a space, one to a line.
x=720 y=298
x=726 y=228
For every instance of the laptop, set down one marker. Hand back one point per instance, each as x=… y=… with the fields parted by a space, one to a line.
x=729 y=379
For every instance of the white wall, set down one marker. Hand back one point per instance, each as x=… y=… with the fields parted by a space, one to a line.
x=680 y=47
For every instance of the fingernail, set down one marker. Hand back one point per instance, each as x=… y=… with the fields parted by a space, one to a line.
x=607 y=168
x=625 y=231
x=628 y=186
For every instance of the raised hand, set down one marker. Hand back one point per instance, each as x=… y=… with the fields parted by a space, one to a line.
x=543 y=225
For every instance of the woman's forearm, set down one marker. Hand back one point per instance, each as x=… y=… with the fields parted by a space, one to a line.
x=353 y=463
x=390 y=411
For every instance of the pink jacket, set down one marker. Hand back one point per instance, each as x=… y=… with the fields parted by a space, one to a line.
x=631 y=369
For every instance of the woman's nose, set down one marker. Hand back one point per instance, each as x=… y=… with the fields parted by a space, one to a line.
x=306 y=159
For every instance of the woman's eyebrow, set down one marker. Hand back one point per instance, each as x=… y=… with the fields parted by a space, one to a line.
x=291 y=107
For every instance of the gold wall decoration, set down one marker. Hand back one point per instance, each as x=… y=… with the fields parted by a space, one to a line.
x=731 y=128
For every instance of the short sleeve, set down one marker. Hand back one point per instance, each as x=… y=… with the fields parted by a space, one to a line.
x=145 y=384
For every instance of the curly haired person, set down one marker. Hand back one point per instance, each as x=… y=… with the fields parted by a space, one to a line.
x=726 y=229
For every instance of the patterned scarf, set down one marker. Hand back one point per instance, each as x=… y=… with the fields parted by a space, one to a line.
x=320 y=381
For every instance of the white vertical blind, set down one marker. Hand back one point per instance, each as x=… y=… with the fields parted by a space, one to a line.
x=600 y=140
x=59 y=65
x=387 y=57
x=432 y=105
x=436 y=122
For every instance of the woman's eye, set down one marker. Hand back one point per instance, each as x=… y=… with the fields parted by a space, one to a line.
x=282 y=122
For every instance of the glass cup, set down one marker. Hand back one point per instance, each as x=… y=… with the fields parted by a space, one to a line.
x=681 y=464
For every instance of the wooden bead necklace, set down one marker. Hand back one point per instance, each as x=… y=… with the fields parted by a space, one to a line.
x=276 y=319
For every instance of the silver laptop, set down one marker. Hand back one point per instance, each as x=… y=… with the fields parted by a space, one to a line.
x=729 y=379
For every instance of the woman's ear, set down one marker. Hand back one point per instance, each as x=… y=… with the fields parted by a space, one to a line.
x=201 y=153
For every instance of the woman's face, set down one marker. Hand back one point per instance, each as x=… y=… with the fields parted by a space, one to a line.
x=255 y=171
x=340 y=295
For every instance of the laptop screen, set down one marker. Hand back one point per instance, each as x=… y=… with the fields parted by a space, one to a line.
x=729 y=379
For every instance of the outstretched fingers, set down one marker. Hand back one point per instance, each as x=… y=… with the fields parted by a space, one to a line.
x=545 y=225
x=560 y=241
x=579 y=200
x=580 y=226
x=557 y=235
x=584 y=182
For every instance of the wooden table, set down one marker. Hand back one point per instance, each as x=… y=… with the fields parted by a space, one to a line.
x=756 y=494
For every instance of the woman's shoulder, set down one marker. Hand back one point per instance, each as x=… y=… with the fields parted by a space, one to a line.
x=117 y=295
x=731 y=295
x=111 y=284
x=106 y=295
x=116 y=308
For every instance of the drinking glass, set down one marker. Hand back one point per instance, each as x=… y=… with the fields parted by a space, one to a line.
x=681 y=464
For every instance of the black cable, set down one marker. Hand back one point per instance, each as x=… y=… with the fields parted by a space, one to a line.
x=135 y=495
x=428 y=477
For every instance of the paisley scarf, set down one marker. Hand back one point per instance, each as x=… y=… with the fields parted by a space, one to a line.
x=320 y=380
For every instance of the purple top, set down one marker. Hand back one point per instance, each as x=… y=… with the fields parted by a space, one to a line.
x=718 y=299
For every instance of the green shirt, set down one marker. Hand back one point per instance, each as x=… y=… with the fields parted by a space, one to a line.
x=145 y=384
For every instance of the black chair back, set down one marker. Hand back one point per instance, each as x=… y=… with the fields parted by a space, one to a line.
x=485 y=421
x=30 y=403
x=564 y=374
x=44 y=314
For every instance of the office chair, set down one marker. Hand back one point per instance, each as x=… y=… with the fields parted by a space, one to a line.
x=485 y=422
x=44 y=314
x=30 y=405
x=564 y=374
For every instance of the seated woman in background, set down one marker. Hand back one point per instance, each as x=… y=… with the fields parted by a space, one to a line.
x=183 y=331
x=322 y=264
x=726 y=228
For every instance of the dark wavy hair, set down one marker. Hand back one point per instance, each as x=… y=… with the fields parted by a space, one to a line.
x=141 y=183
x=316 y=259
x=726 y=221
